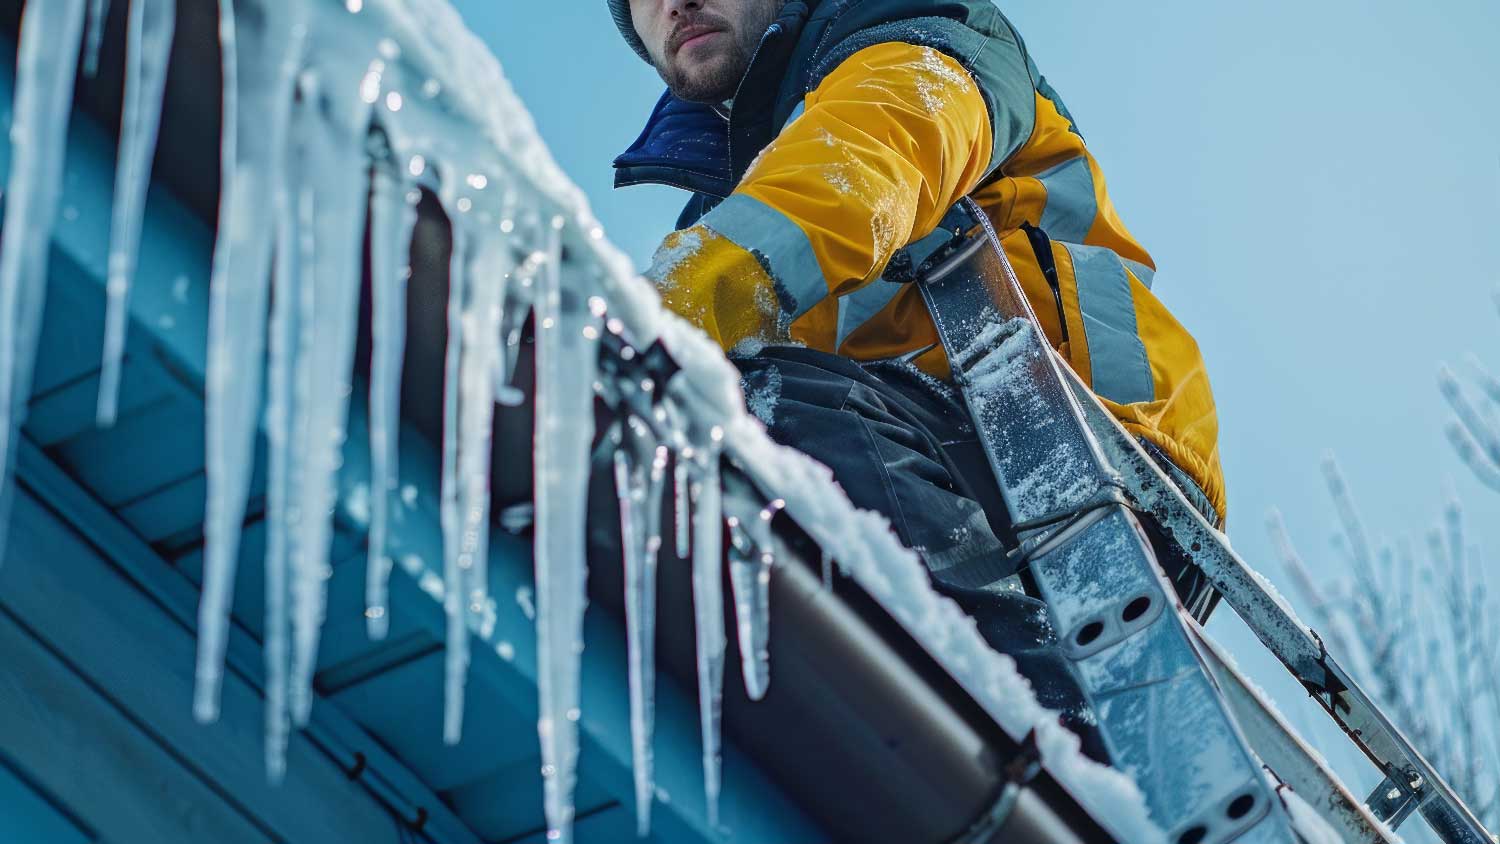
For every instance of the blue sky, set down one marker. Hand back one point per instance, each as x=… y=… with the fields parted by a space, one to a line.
x=1318 y=181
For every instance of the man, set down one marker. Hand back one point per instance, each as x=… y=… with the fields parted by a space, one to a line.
x=822 y=141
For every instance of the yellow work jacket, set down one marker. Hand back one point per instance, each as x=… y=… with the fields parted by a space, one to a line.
x=874 y=156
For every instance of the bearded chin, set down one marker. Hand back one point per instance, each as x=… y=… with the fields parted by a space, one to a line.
x=709 y=82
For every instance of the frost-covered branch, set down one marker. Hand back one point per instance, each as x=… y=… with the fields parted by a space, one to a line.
x=1475 y=431
x=1421 y=635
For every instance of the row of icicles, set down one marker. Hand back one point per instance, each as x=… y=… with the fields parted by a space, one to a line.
x=297 y=145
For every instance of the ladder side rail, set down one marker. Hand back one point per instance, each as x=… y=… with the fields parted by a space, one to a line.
x=1276 y=624
x=1005 y=325
x=1293 y=761
x=1117 y=618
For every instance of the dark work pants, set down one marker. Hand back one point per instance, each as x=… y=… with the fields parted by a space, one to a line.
x=900 y=443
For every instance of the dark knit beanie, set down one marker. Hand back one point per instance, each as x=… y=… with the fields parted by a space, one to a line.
x=621 y=11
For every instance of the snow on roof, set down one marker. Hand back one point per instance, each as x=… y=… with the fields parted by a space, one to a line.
x=461 y=113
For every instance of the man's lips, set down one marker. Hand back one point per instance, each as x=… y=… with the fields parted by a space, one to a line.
x=700 y=36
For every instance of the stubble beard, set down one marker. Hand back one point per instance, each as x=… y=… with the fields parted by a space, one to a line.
x=710 y=80
x=715 y=79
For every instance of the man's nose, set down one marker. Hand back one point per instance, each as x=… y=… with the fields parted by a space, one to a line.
x=677 y=7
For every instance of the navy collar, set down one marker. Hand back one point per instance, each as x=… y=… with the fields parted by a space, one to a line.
x=684 y=144
x=690 y=146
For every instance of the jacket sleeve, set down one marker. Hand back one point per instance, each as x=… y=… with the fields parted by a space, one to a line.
x=889 y=140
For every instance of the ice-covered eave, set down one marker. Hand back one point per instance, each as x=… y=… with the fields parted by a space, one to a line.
x=456 y=126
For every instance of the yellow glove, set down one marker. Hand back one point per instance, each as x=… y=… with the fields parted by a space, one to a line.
x=711 y=282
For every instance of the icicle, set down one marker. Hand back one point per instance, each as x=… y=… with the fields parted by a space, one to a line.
x=750 y=563
x=279 y=398
x=515 y=307
x=456 y=661
x=94 y=40
x=566 y=362
x=39 y=131
x=487 y=283
x=708 y=611
x=645 y=786
x=638 y=488
x=393 y=215
x=303 y=302
x=674 y=427
x=331 y=121
x=513 y=318
x=476 y=288
x=148 y=47
x=631 y=498
x=251 y=166
x=682 y=507
x=456 y=658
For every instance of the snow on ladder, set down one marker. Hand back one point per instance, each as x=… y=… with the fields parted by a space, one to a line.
x=1172 y=710
x=1157 y=708
x=1416 y=783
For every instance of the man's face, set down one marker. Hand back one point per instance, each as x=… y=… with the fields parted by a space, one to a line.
x=702 y=48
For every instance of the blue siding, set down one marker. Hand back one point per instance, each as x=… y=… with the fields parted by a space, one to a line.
x=30 y=818
x=115 y=673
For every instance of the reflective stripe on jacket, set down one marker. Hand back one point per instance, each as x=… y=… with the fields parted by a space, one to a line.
x=901 y=120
